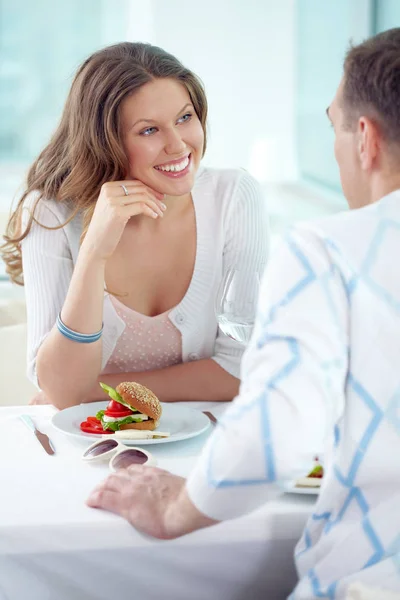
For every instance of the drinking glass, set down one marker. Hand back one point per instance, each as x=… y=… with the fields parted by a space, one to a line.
x=236 y=303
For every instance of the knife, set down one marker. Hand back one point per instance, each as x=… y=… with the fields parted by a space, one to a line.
x=41 y=437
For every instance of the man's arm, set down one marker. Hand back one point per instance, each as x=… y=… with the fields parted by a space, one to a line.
x=293 y=384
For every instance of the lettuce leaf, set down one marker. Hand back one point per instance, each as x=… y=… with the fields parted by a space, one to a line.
x=112 y=393
x=317 y=471
x=117 y=397
x=116 y=425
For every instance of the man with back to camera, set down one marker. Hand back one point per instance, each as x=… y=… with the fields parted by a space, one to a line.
x=322 y=369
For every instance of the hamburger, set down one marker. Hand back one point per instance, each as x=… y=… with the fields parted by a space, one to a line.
x=132 y=406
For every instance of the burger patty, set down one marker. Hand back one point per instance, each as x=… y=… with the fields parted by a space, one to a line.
x=150 y=425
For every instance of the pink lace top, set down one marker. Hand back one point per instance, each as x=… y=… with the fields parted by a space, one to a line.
x=146 y=342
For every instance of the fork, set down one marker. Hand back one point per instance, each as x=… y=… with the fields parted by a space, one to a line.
x=212 y=418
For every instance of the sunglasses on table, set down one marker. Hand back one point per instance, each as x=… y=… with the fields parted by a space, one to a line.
x=120 y=455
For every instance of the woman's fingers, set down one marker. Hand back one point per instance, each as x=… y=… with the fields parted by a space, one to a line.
x=139 y=194
x=117 y=203
x=146 y=197
x=140 y=207
x=131 y=185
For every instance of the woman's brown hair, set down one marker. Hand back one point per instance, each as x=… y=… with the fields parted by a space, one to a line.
x=86 y=149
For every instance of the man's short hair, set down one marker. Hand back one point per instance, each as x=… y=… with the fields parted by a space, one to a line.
x=372 y=83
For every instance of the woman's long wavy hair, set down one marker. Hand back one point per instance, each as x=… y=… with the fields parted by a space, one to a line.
x=86 y=149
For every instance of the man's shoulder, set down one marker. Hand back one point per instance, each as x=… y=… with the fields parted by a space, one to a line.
x=332 y=225
x=345 y=238
x=359 y=221
x=344 y=225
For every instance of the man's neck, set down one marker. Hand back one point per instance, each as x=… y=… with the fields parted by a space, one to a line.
x=385 y=184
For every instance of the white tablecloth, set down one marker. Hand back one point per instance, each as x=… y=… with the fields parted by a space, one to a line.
x=54 y=547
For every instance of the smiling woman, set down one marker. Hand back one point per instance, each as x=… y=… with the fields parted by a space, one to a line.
x=117 y=201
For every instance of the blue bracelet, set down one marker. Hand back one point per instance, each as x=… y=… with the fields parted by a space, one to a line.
x=82 y=338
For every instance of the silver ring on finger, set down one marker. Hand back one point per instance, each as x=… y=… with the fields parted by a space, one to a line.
x=125 y=190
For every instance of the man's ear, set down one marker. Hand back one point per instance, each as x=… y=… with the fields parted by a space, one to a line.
x=369 y=142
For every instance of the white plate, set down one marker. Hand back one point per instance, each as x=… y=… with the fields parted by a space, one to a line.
x=291 y=488
x=181 y=422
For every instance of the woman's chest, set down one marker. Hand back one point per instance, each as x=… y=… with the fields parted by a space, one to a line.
x=151 y=272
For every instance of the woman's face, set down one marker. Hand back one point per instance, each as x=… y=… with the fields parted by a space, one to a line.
x=163 y=137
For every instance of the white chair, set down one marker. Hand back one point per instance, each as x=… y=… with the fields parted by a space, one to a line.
x=12 y=311
x=16 y=389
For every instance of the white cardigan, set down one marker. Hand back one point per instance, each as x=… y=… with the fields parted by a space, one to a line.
x=232 y=230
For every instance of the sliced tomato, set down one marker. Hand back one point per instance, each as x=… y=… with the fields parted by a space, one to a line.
x=117 y=415
x=94 y=420
x=115 y=406
x=93 y=427
x=116 y=410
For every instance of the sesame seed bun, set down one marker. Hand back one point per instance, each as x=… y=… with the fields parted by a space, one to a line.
x=143 y=400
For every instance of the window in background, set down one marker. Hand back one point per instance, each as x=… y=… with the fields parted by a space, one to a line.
x=386 y=15
x=41 y=45
x=35 y=76
x=324 y=30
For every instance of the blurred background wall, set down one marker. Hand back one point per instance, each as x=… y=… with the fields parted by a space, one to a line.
x=270 y=68
x=243 y=51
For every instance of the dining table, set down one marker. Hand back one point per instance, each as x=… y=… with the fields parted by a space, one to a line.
x=54 y=547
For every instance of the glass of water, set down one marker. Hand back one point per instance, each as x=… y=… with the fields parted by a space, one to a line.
x=236 y=303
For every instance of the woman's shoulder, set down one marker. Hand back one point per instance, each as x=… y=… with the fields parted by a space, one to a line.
x=223 y=178
x=51 y=213
x=228 y=185
x=36 y=204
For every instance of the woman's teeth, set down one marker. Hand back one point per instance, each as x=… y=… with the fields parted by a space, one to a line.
x=175 y=168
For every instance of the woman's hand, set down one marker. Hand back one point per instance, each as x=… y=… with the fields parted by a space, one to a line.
x=114 y=209
x=39 y=398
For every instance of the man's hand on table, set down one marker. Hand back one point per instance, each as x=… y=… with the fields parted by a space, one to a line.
x=153 y=500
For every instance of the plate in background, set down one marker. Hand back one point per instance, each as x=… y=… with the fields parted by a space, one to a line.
x=290 y=488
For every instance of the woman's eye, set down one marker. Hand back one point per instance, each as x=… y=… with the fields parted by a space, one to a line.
x=148 y=131
x=186 y=117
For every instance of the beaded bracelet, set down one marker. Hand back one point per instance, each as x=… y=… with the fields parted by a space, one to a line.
x=82 y=338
